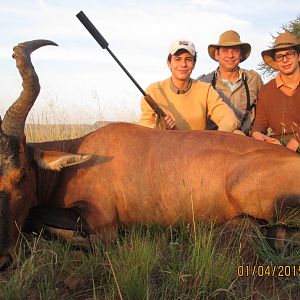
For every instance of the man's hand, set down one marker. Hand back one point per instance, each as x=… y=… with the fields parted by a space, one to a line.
x=169 y=122
x=292 y=145
x=262 y=137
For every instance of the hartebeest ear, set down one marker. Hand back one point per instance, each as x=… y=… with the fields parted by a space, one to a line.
x=55 y=160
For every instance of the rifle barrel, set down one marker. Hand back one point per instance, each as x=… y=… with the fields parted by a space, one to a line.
x=104 y=44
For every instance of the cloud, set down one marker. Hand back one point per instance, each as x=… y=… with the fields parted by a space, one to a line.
x=42 y=5
x=253 y=8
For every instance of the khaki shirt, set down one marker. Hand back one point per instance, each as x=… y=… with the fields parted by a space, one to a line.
x=237 y=97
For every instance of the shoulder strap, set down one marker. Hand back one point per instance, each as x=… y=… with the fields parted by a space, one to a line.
x=244 y=79
x=249 y=107
x=213 y=80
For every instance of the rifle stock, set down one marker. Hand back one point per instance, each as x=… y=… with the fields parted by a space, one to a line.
x=156 y=108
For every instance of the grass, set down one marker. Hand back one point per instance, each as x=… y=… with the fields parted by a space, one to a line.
x=147 y=262
x=187 y=261
x=50 y=132
x=144 y=263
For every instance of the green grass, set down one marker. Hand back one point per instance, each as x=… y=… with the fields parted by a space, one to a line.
x=147 y=262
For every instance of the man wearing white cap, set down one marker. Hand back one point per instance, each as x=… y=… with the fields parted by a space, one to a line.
x=187 y=102
x=278 y=106
x=238 y=87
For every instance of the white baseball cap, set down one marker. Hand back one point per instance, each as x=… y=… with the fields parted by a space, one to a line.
x=182 y=44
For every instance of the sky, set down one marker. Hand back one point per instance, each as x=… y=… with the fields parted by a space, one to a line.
x=80 y=81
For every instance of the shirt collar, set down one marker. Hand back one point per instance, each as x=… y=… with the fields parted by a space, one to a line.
x=178 y=91
x=231 y=86
x=279 y=81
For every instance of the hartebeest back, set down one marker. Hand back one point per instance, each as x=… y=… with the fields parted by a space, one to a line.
x=132 y=174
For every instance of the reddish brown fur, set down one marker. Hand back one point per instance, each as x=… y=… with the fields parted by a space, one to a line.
x=142 y=175
x=19 y=183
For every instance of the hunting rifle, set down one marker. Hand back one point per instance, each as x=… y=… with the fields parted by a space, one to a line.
x=104 y=44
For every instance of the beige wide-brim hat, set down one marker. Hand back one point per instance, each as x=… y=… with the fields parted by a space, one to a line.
x=230 y=38
x=285 y=40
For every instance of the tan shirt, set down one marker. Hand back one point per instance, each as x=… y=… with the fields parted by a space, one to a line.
x=236 y=98
x=287 y=88
x=189 y=110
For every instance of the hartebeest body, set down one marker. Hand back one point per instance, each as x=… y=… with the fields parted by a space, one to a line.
x=131 y=174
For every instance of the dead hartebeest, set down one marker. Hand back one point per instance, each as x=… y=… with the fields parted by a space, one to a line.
x=125 y=173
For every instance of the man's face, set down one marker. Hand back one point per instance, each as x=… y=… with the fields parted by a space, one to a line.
x=182 y=66
x=287 y=61
x=228 y=58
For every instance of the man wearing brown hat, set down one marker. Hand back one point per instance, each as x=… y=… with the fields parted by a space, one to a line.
x=187 y=102
x=237 y=87
x=278 y=106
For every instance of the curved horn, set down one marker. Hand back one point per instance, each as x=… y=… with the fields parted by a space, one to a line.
x=14 y=119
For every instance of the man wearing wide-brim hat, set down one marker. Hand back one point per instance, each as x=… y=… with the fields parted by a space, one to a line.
x=238 y=87
x=278 y=105
x=186 y=102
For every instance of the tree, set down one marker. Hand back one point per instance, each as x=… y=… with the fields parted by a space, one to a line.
x=292 y=27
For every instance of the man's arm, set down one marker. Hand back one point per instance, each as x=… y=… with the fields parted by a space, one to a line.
x=293 y=145
x=261 y=123
x=263 y=137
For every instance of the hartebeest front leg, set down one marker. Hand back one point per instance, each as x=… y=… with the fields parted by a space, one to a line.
x=63 y=222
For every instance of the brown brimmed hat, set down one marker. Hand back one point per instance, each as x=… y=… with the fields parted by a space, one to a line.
x=230 y=38
x=285 y=40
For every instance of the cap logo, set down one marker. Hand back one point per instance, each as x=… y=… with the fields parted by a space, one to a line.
x=185 y=43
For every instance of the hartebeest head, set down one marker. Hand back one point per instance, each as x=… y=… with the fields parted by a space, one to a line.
x=17 y=174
